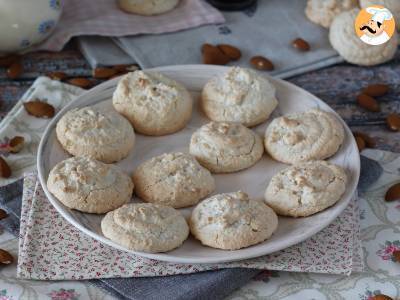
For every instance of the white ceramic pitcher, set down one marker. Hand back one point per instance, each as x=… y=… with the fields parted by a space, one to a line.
x=24 y=23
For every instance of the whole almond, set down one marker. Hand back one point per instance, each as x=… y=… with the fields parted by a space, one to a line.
x=5 y=170
x=393 y=122
x=3 y=214
x=360 y=143
x=121 y=69
x=369 y=141
x=16 y=144
x=15 y=70
x=396 y=255
x=261 y=63
x=393 y=193
x=380 y=297
x=80 y=81
x=103 y=73
x=232 y=52
x=206 y=47
x=368 y=103
x=213 y=56
x=6 y=61
x=57 y=75
x=5 y=257
x=39 y=109
x=301 y=44
x=376 y=90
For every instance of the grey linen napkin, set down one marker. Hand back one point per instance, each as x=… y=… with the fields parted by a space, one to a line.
x=205 y=285
x=266 y=29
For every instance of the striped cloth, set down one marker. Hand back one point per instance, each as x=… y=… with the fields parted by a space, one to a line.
x=104 y=18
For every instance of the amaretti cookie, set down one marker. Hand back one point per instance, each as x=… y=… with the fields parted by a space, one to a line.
x=89 y=185
x=305 y=189
x=147 y=8
x=224 y=147
x=322 y=12
x=232 y=221
x=392 y=5
x=153 y=103
x=346 y=42
x=241 y=95
x=173 y=179
x=299 y=137
x=94 y=132
x=146 y=227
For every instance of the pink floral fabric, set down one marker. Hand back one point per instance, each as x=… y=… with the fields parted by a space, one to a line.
x=52 y=249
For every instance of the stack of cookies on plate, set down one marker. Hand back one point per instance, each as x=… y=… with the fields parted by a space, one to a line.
x=154 y=105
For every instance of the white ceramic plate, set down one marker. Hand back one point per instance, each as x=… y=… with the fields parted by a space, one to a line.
x=253 y=180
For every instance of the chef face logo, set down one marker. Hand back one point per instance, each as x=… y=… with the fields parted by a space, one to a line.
x=375 y=25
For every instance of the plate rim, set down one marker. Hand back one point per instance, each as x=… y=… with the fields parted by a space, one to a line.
x=165 y=256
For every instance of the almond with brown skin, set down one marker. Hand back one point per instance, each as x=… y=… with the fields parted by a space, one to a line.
x=232 y=52
x=6 y=61
x=15 y=70
x=16 y=144
x=396 y=255
x=261 y=63
x=57 y=75
x=3 y=214
x=80 y=82
x=360 y=143
x=393 y=122
x=5 y=170
x=206 y=47
x=5 y=257
x=39 y=109
x=369 y=141
x=121 y=69
x=380 y=297
x=368 y=103
x=301 y=44
x=393 y=193
x=213 y=56
x=376 y=90
x=103 y=73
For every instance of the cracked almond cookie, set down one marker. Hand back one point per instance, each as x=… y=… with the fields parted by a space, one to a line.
x=154 y=104
x=173 y=179
x=146 y=227
x=88 y=185
x=94 y=132
x=232 y=221
x=300 y=137
x=224 y=147
x=240 y=95
x=322 y=12
x=305 y=189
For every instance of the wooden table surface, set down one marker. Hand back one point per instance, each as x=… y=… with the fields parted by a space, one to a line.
x=338 y=86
